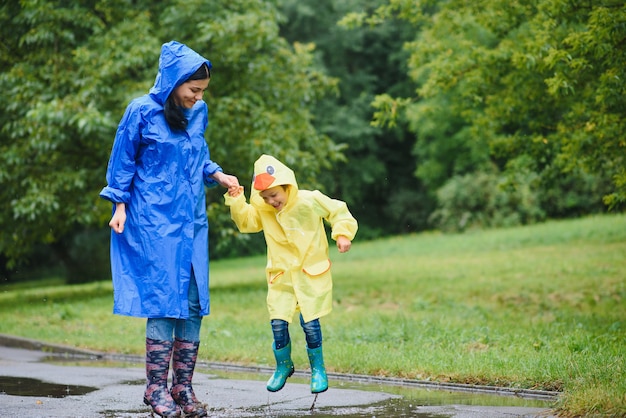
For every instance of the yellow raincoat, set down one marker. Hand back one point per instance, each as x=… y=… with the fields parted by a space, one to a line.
x=298 y=265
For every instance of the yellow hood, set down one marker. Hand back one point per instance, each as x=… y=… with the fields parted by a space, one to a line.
x=269 y=172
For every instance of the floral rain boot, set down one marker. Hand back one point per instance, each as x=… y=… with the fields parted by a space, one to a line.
x=185 y=356
x=157 y=396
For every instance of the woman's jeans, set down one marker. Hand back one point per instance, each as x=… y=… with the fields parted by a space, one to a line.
x=312 y=333
x=165 y=329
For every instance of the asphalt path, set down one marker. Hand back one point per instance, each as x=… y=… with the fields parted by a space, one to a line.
x=111 y=390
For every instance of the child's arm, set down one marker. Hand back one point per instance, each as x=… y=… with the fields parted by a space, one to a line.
x=343 y=224
x=243 y=214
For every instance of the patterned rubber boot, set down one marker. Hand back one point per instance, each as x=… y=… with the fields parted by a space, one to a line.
x=284 y=368
x=319 y=380
x=185 y=356
x=157 y=396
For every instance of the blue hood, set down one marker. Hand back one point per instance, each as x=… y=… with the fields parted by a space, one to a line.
x=176 y=64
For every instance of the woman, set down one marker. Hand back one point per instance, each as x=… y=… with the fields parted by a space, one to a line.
x=157 y=172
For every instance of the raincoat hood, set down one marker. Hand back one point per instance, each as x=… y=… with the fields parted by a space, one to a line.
x=269 y=172
x=177 y=63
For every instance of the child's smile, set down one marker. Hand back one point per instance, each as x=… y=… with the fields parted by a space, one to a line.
x=275 y=196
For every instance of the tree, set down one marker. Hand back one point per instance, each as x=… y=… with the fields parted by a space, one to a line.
x=511 y=83
x=68 y=72
x=376 y=178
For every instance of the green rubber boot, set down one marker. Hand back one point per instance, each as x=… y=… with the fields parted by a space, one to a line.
x=284 y=368
x=319 y=380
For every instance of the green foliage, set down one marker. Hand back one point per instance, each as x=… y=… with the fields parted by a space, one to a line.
x=502 y=80
x=376 y=179
x=68 y=72
x=390 y=105
x=486 y=199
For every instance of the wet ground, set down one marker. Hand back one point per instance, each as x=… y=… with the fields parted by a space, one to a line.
x=44 y=381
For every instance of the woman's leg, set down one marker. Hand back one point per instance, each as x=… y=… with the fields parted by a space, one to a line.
x=186 y=344
x=189 y=329
x=161 y=329
x=158 y=354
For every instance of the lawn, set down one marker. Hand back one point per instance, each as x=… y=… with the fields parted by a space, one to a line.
x=539 y=307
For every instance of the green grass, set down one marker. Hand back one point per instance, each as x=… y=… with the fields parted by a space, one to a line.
x=539 y=307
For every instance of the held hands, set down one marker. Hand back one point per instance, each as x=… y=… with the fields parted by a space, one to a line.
x=234 y=192
x=343 y=243
x=228 y=181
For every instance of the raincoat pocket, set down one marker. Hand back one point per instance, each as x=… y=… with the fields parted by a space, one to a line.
x=273 y=275
x=317 y=269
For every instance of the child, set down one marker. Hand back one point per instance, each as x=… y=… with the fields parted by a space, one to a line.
x=298 y=266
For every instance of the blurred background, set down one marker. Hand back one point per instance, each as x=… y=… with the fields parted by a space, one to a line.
x=421 y=115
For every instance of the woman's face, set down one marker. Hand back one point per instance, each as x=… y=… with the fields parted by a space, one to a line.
x=187 y=94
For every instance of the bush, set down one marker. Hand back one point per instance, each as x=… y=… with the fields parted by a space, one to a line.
x=487 y=199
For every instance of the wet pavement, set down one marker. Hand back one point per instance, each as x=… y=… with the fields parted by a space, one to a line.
x=38 y=380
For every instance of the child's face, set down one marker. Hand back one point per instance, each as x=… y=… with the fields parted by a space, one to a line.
x=275 y=196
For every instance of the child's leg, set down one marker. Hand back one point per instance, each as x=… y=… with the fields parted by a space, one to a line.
x=313 y=334
x=282 y=354
x=280 y=329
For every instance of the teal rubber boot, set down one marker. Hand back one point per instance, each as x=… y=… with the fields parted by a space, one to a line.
x=284 y=368
x=319 y=380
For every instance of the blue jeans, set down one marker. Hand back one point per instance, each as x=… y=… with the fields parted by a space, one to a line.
x=165 y=329
x=312 y=332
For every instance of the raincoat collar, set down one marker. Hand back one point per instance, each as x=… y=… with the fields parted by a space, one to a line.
x=176 y=64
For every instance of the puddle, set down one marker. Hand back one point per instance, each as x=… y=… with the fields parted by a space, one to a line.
x=406 y=401
x=410 y=395
x=24 y=386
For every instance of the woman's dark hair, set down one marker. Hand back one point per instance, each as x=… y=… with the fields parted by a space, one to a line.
x=173 y=113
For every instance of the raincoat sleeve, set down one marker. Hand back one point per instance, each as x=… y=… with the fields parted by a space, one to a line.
x=336 y=213
x=121 y=168
x=210 y=167
x=246 y=216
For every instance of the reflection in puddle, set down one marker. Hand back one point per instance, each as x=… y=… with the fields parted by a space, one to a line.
x=24 y=386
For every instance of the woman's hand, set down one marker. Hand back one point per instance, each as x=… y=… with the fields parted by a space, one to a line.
x=119 y=218
x=227 y=180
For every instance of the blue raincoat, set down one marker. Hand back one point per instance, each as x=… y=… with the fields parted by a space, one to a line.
x=161 y=175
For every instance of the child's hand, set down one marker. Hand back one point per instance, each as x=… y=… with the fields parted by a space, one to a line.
x=235 y=191
x=343 y=243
